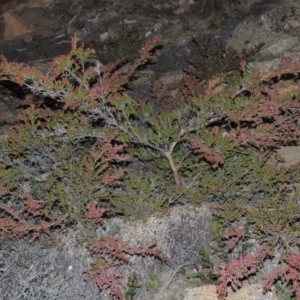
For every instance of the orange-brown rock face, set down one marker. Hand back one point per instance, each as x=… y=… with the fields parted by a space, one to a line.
x=24 y=16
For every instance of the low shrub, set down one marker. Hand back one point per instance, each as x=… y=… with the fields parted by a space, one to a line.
x=82 y=148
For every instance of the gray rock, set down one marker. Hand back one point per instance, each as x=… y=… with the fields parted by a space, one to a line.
x=208 y=292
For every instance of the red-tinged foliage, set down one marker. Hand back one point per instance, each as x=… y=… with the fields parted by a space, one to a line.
x=6 y=226
x=191 y=87
x=43 y=227
x=265 y=136
x=288 y=66
x=213 y=157
x=113 y=249
x=77 y=86
x=267 y=124
x=3 y=191
x=176 y=94
x=95 y=213
x=17 y=72
x=102 y=155
x=114 y=252
x=109 y=151
x=232 y=274
x=32 y=207
x=114 y=177
x=109 y=278
x=234 y=236
x=73 y=87
x=288 y=272
x=17 y=226
x=9 y=211
x=114 y=79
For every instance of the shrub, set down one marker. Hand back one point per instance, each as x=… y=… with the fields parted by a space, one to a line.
x=267 y=122
x=56 y=154
x=83 y=149
x=54 y=149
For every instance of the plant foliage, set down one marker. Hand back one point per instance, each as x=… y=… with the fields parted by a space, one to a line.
x=82 y=149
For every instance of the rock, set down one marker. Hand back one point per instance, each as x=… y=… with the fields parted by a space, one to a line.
x=58 y=262
x=180 y=233
x=275 y=26
x=290 y=154
x=47 y=269
x=208 y=292
x=14 y=27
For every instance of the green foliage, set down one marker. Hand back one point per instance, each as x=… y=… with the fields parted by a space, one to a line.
x=218 y=7
x=217 y=60
x=153 y=283
x=140 y=196
x=205 y=258
x=195 y=275
x=133 y=286
x=276 y=222
x=284 y=292
x=161 y=66
x=124 y=45
x=87 y=145
x=194 y=144
x=54 y=150
x=164 y=139
x=217 y=227
x=206 y=274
